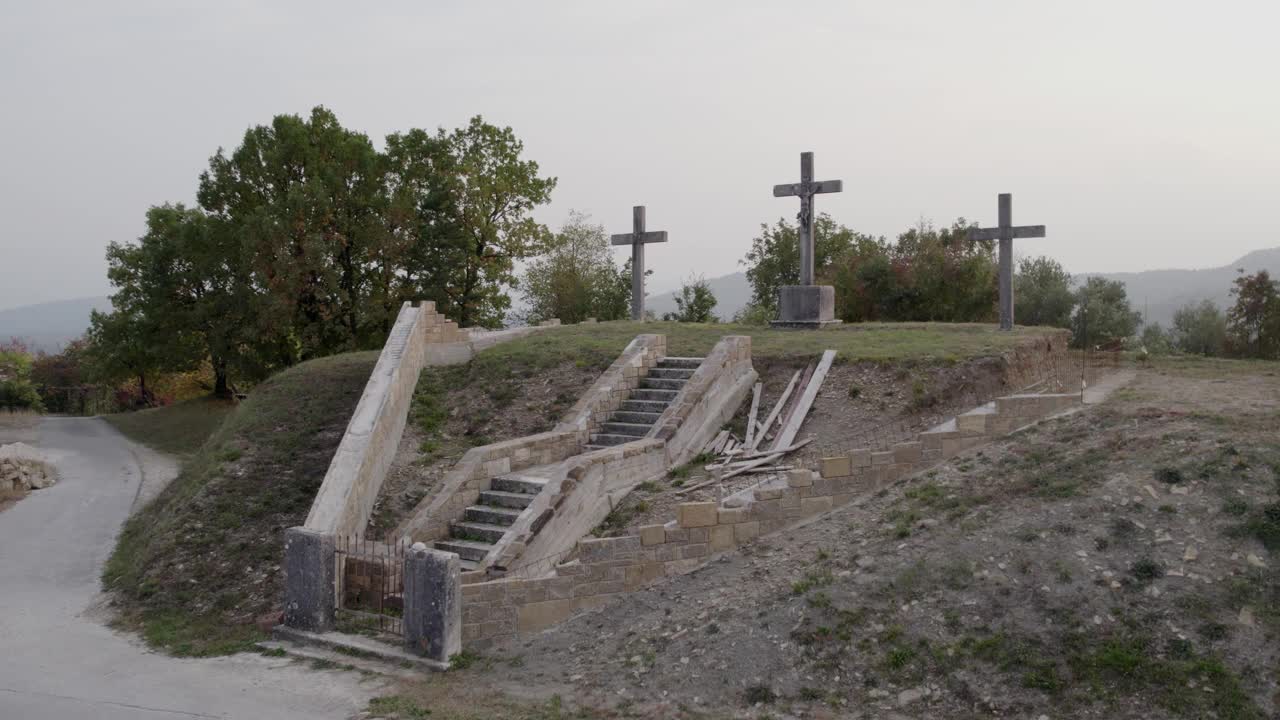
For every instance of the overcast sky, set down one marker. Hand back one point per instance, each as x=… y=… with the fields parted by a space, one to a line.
x=1143 y=134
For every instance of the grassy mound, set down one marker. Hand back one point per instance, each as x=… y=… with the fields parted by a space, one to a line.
x=178 y=429
x=198 y=565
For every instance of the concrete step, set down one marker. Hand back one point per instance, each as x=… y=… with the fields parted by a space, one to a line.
x=607 y=440
x=650 y=383
x=662 y=396
x=491 y=515
x=517 y=485
x=358 y=646
x=466 y=549
x=633 y=429
x=499 y=498
x=689 y=363
x=477 y=531
x=654 y=407
x=671 y=373
x=467 y=565
x=635 y=418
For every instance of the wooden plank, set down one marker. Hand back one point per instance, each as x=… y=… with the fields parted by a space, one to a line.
x=777 y=409
x=789 y=431
x=751 y=416
x=766 y=460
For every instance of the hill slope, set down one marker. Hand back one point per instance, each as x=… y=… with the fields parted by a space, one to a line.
x=49 y=326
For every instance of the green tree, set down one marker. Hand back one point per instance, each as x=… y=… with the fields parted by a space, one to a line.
x=1156 y=340
x=1042 y=290
x=467 y=197
x=17 y=390
x=188 y=282
x=694 y=304
x=576 y=278
x=125 y=345
x=307 y=200
x=774 y=257
x=1102 y=316
x=928 y=274
x=1200 y=328
x=1254 y=320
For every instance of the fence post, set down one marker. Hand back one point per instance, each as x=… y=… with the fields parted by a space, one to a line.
x=432 y=603
x=309 y=577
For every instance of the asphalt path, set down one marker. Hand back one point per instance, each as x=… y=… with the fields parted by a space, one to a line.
x=58 y=659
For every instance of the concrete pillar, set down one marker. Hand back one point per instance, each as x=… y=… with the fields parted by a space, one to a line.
x=309 y=580
x=432 y=603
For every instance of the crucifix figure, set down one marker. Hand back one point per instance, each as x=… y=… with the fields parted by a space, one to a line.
x=806 y=189
x=637 y=239
x=1005 y=232
x=806 y=305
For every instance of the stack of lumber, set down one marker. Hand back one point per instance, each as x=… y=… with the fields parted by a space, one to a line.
x=768 y=442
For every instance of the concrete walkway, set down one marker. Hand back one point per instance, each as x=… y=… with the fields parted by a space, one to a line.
x=58 y=660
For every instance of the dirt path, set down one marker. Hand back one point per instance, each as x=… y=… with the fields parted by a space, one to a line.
x=1109 y=564
x=58 y=661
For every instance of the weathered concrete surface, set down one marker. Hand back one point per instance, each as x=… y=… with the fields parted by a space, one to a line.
x=309 y=580
x=57 y=659
x=806 y=306
x=432 y=604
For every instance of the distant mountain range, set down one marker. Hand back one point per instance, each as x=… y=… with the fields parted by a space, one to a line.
x=50 y=326
x=1160 y=292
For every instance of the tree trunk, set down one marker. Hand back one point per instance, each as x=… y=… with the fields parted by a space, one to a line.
x=220 y=387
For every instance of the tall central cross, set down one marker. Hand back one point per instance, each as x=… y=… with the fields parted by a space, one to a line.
x=1005 y=232
x=806 y=189
x=637 y=239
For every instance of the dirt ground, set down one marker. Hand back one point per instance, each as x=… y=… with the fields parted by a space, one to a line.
x=1120 y=562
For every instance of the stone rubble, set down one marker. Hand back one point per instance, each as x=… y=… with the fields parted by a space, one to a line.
x=24 y=468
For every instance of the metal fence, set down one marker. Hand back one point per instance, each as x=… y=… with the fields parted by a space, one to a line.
x=370 y=578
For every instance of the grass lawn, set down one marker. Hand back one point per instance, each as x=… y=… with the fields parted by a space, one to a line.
x=178 y=429
x=853 y=342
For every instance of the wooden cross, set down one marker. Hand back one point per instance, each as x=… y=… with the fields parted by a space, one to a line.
x=806 y=189
x=637 y=239
x=1005 y=232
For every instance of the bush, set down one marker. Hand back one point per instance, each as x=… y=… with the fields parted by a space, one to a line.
x=17 y=391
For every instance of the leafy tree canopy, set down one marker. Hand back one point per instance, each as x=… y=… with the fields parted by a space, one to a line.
x=1200 y=328
x=694 y=304
x=1042 y=293
x=576 y=278
x=1103 y=317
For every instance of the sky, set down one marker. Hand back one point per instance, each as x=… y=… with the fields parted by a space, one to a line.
x=1143 y=134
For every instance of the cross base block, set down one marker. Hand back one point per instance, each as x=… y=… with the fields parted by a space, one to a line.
x=806 y=306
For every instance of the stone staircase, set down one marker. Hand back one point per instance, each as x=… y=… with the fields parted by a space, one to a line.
x=638 y=413
x=484 y=523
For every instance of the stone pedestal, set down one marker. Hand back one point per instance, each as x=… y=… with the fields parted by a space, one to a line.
x=806 y=306
x=432 y=603
x=308 y=580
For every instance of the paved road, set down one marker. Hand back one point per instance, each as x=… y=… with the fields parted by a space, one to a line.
x=59 y=662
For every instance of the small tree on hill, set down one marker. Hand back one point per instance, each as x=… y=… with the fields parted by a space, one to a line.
x=1200 y=328
x=577 y=278
x=694 y=304
x=774 y=257
x=1042 y=289
x=1254 y=320
x=1103 y=315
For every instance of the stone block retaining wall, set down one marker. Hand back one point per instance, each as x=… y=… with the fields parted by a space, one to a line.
x=614 y=385
x=606 y=568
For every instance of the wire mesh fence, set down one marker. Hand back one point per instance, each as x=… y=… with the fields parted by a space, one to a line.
x=370 y=585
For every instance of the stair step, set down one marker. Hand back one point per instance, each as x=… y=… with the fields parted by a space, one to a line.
x=477 y=531
x=608 y=440
x=517 y=485
x=467 y=565
x=490 y=514
x=504 y=499
x=588 y=447
x=680 y=362
x=671 y=373
x=632 y=429
x=644 y=394
x=635 y=418
x=654 y=407
x=649 y=383
x=466 y=549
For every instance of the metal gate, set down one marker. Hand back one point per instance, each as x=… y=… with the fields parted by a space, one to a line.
x=370 y=586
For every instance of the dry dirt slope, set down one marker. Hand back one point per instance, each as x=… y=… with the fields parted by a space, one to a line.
x=1121 y=562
